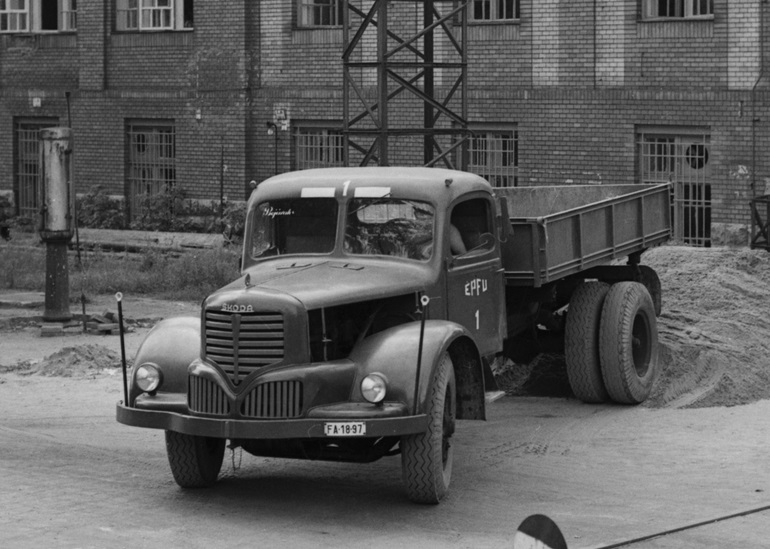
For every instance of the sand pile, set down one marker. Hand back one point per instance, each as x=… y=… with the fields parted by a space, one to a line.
x=714 y=328
x=714 y=332
x=81 y=361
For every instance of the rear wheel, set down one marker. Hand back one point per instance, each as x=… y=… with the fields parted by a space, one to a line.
x=628 y=343
x=581 y=342
x=195 y=461
x=426 y=458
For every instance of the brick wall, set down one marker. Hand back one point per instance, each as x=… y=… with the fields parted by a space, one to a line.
x=578 y=78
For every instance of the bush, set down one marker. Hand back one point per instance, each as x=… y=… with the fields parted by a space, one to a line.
x=97 y=210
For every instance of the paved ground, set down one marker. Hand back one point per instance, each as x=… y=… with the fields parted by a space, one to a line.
x=72 y=477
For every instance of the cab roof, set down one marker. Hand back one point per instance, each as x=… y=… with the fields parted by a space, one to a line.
x=427 y=184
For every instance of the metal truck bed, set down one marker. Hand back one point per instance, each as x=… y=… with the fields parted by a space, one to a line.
x=560 y=231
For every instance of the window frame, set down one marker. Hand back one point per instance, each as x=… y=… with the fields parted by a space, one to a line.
x=140 y=16
x=160 y=158
x=490 y=169
x=684 y=10
x=494 y=8
x=32 y=14
x=330 y=144
x=305 y=9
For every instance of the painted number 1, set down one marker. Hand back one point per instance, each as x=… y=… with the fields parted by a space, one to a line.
x=477 y=319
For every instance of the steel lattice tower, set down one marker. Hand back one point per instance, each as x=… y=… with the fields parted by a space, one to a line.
x=405 y=56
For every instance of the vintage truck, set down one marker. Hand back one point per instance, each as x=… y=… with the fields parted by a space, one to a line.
x=371 y=303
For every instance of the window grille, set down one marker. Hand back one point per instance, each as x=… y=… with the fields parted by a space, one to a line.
x=494 y=155
x=27 y=166
x=683 y=161
x=495 y=10
x=320 y=13
x=318 y=148
x=151 y=162
x=14 y=16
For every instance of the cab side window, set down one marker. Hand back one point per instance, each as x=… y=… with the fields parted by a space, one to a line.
x=470 y=221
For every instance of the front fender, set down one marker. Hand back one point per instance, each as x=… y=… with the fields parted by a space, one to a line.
x=393 y=353
x=171 y=345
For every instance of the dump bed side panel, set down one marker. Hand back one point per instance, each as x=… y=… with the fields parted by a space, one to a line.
x=595 y=225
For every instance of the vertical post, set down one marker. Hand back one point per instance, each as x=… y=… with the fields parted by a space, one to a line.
x=56 y=220
x=382 y=79
x=428 y=121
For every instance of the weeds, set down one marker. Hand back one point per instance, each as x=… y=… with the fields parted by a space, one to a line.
x=187 y=276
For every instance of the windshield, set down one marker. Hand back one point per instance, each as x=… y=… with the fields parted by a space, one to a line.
x=389 y=226
x=294 y=226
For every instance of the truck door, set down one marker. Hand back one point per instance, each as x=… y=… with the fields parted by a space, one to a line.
x=475 y=284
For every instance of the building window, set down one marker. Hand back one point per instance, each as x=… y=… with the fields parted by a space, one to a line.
x=38 y=15
x=26 y=165
x=495 y=10
x=317 y=147
x=494 y=155
x=14 y=16
x=656 y=9
x=682 y=159
x=151 y=166
x=320 y=13
x=153 y=15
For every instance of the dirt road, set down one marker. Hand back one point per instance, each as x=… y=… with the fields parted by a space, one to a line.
x=697 y=451
x=72 y=477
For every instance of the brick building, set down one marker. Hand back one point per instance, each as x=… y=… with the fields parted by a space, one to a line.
x=182 y=92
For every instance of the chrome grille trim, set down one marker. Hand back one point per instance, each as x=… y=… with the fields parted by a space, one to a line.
x=206 y=397
x=241 y=343
x=274 y=400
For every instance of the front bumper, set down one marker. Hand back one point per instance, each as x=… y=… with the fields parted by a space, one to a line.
x=379 y=421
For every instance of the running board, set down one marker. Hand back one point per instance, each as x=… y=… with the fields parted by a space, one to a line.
x=491 y=396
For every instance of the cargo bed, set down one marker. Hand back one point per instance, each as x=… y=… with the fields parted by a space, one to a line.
x=560 y=231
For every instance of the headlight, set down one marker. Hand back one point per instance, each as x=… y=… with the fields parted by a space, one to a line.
x=374 y=387
x=148 y=377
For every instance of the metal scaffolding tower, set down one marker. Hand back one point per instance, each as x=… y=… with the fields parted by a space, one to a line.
x=405 y=57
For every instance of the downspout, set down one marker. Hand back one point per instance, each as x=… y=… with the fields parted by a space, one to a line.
x=760 y=76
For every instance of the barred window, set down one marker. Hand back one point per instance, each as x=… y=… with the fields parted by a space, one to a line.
x=495 y=10
x=317 y=147
x=320 y=13
x=494 y=155
x=681 y=158
x=152 y=15
x=654 y=9
x=151 y=161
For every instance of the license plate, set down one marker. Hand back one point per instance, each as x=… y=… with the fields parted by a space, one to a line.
x=345 y=429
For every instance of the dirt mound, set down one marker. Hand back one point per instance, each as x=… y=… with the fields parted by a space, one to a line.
x=81 y=361
x=715 y=326
x=714 y=332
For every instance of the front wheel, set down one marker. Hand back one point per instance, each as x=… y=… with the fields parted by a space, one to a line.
x=426 y=458
x=195 y=461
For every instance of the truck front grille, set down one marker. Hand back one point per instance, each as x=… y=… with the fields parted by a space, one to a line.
x=241 y=343
x=274 y=400
x=206 y=397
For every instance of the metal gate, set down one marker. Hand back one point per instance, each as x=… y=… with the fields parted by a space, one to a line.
x=682 y=159
x=27 y=166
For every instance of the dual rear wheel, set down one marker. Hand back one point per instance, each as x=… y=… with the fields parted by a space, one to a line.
x=611 y=342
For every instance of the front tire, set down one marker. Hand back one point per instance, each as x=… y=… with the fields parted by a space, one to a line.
x=426 y=458
x=628 y=343
x=195 y=461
